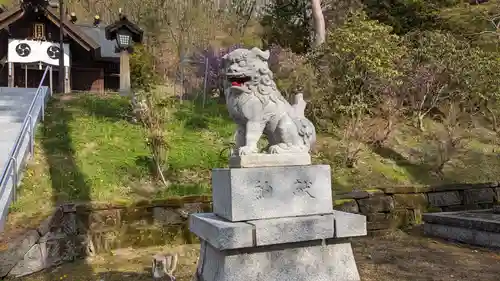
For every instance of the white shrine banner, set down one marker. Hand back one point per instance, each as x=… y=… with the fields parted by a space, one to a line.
x=28 y=51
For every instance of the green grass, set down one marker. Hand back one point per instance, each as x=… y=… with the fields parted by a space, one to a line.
x=87 y=150
x=198 y=138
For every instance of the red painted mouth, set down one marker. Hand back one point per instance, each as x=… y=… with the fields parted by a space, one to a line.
x=238 y=81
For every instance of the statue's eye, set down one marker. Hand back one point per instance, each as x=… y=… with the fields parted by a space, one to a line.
x=242 y=63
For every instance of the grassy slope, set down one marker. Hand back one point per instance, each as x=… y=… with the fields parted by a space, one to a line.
x=407 y=160
x=87 y=150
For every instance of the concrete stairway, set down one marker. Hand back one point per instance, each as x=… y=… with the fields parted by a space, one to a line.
x=14 y=108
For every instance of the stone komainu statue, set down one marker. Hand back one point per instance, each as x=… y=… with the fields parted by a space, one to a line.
x=257 y=107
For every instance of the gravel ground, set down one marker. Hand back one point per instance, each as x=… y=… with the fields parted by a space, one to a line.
x=398 y=256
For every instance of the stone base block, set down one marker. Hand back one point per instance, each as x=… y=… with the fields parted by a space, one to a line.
x=13 y=251
x=33 y=262
x=464 y=235
x=479 y=227
x=269 y=160
x=483 y=220
x=289 y=230
x=307 y=261
x=51 y=250
x=223 y=235
x=349 y=224
x=243 y=194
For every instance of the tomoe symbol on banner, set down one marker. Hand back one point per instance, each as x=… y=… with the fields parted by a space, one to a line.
x=23 y=49
x=53 y=52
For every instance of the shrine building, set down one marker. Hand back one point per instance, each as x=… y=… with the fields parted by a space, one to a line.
x=29 y=41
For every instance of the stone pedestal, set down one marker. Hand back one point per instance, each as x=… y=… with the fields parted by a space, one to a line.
x=241 y=194
x=275 y=224
x=312 y=261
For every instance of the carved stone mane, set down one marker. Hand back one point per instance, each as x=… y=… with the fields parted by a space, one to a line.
x=257 y=107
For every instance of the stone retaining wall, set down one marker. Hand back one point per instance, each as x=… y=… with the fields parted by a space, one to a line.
x=396 y=207
x=77 y=230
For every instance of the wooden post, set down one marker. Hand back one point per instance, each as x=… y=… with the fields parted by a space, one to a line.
x=25 y=76
x=67 y=82
x=11 y=74
x=51 y=83
x=62 y=76
x=101 y=83
x=125 y=73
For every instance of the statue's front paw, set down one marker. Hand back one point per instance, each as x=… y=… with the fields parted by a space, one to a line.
x=278 y=148
x=287 y=148
x=245 y=150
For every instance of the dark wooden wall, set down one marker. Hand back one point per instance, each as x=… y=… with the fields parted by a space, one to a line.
x=87 y=79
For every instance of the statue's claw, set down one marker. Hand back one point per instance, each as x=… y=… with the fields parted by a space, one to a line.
x=287 y=148
x=277 y=148
x=245 y=150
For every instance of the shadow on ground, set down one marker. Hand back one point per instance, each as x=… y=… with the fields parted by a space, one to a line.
x=421 y=172
x=67 y=179
x=479 y=166
x=124 y=276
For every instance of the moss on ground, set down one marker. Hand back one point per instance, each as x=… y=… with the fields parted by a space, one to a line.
x=342 y=201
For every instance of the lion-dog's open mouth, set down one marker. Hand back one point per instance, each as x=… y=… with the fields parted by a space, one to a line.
x=238 y=81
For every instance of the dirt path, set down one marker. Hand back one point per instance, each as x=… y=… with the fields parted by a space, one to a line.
x=397 y=256
x=401 y=256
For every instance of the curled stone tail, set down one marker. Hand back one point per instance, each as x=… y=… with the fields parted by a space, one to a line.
x=299 y=105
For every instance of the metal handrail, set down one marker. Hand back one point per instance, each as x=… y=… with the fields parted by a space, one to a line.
x=28 y=120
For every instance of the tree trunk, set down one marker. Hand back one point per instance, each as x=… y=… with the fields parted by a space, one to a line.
x=493 y=119
x=420 y=122
x=318 y=22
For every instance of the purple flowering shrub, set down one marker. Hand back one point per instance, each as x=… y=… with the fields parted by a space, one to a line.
x=213 y=57
x=293 y=72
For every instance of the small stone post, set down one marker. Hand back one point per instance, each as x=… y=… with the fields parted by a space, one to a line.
x=125 y=73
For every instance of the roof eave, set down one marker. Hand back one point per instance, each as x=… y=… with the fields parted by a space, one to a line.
x=73 y=31
x=9 y=17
